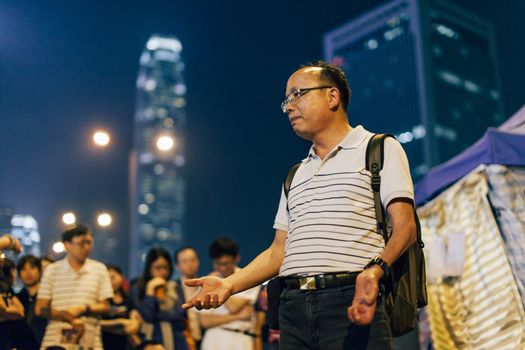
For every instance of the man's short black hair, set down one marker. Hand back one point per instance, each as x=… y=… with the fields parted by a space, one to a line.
x=335 y=76
x=223 y=246
x=28 y=259
x=181 y=249
x=72 y=232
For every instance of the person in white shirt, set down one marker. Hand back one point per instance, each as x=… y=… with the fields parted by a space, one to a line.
x=327 y=250
x=231 y=326
x=73 y=292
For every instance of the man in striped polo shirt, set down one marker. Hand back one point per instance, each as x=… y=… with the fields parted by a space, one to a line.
x=73 y=292
x=327 y=248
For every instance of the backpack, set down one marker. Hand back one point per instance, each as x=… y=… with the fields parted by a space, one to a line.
x=406 y=289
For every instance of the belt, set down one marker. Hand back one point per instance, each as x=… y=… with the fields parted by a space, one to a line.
x=245 y=332
x=315 y=282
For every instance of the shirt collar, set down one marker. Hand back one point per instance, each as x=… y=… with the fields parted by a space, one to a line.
x=84 y=269
x=352 y=140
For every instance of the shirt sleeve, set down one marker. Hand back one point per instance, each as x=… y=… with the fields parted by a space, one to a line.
x=44 y=290
x=282 y=216
x=396 y=181
x=105 y=291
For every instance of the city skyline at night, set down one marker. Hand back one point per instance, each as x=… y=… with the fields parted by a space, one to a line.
x=71 y=68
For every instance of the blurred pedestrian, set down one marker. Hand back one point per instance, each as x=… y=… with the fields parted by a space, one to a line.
x=156 y=298
x=11 y=309
x=187 y=263
x=121 y=325
x=231 y=326
x=73 y=293
x=31 y=330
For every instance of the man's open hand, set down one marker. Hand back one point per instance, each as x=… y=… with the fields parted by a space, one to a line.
x=214 y=292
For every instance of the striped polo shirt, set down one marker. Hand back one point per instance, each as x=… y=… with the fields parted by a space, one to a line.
x=330 y=214
x=66 y=288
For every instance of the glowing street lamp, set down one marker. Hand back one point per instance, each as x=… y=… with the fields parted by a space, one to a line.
x=69 y=218
x=58 y=247
x=104 y=219
x=165 y=143
x=101 y=138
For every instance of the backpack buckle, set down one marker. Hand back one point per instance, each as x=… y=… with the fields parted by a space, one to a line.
x=376 y=182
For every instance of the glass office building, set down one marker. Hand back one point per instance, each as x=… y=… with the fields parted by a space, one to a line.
x=157 y=162
x=423 y=70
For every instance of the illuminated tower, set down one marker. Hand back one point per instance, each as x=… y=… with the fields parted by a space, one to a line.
x=157 y=162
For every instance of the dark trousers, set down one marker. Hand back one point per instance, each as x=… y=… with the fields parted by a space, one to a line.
x=317 y=320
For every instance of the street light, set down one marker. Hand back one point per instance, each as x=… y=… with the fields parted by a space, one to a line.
x=58 y=247
x=69 y=218
x=101 y=138
x=165 y=143
x=104 y=219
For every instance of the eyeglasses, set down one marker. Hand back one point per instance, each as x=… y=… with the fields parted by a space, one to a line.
x=83 y=243
x=297 y=93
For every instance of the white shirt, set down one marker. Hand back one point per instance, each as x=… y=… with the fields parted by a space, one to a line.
x=217 y=338
x=67 y=288
x=330 y=217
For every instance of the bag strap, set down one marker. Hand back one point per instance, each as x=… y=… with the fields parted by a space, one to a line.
x=289 y=178
x=375 y=152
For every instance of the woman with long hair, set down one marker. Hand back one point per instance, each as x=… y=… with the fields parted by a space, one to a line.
x=158 y=301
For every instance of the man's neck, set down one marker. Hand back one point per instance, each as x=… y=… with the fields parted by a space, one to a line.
x=75 y=264
x=325 y=143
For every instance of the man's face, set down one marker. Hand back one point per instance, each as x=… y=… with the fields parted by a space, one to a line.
x=188 y=263
x=29 y=275
x=308 y=115
x=225 y=265
x=80 y=247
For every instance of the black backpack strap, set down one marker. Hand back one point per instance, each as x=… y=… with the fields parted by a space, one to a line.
x=288 y=181
x=289 y=178
x=375 y=152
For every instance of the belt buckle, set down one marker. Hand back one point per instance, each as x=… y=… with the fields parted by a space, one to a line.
x=307 y=283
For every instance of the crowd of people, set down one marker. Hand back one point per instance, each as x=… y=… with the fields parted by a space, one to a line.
x=77 y=302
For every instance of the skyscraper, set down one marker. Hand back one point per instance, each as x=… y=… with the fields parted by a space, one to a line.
x=156 y=165
x=425 y=70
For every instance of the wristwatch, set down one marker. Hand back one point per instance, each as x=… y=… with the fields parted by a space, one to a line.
x=382 y=264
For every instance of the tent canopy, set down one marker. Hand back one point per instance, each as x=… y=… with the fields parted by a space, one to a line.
x=504 y=145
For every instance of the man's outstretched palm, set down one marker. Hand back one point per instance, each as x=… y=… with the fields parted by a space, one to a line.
x=213 y=293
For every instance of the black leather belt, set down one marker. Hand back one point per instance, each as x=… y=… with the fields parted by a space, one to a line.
x=315 y=282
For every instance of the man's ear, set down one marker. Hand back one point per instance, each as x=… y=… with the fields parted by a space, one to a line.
x=334 y=98
x=237 y=259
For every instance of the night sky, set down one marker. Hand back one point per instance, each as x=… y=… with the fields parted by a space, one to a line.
x=68 y=67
